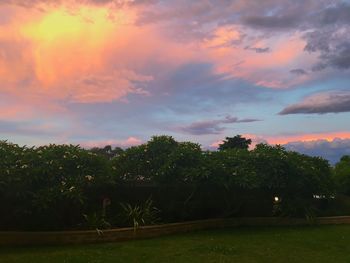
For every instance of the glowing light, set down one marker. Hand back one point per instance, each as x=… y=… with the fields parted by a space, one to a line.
x=66 y=44
x=60 y=24
x=330 y=136
x=309 y=137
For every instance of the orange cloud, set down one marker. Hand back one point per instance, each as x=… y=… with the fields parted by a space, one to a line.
x=65 y=45
x=83 y=55
x=283 y=53
x=223 y=38
x=309 y=137
x=53 y=53
x=330 y=136
x=99 y=88
x=92 y=54
x=288 y=139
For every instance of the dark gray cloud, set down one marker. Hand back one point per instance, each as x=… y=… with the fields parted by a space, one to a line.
x=325 y=27
x=330 y=150
x=273 y=22
x=258 y=49
x=338 y=58
x=298 y=71
x=339 y=13
x=332 y=45
x=203 y=127
x=330 y=37
x=268 y=13
x=320 y=103
x=324 y=24
x=230 y=119
x=212 y=126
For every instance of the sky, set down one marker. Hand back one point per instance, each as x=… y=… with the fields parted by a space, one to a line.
x=98 y=72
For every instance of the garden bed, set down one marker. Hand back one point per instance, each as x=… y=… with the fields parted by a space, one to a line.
x=122 y=234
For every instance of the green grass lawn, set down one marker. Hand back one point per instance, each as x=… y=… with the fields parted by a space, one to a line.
x=258 y=244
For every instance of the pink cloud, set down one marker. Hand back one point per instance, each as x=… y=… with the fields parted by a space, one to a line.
x=61 y=56
x=328 y=136
x=81 y=54
x=56 y=54
x=308 y=137
x=285 y=139
x=106 y=88
x=131 y=141
x=240 y=59
x=215 y=145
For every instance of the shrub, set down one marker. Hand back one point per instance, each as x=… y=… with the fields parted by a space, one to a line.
x=139 y=214
x=342 y=175
x=47 y=185
x=51 y=187
x=293 y=177
x=96 y=221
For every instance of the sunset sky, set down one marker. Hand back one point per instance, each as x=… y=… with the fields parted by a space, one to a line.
x=97 y=72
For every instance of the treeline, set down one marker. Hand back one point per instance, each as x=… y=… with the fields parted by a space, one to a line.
x=67 y=187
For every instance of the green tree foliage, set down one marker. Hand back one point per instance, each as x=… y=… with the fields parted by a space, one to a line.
x=162 y=160
x=48 y=184
x=293 y=177
x=182 y=164
x=132 y=165
x=236 y=142
x=53 y=186
x=107 y=151
x=342 y=175
x=231 y=168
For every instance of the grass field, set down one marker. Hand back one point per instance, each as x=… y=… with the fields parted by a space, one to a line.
x=259 y=244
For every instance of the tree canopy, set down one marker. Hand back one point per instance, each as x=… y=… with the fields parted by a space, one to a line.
x=53 y=186
x=236 y=142
x=108 y=151
x=342 y=174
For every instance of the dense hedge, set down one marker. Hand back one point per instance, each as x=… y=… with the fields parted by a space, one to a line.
x=45 y=187
x=63 y=186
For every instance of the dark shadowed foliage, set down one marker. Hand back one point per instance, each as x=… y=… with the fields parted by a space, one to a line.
x=236 y=142
x=67 y=187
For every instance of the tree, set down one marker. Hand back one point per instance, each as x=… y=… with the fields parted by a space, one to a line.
x=295 y=178
x=342 y=175
x=107 y=151
x=231 y=169
x=161 y=159
x=237 y=142
x=181 y=165
x=50 y=185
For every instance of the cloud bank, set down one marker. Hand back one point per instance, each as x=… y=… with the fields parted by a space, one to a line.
x=212 y=126
x=330 y=150
x=321 y=103
x=111 y=69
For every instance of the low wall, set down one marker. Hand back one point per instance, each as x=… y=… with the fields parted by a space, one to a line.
x=122 y=234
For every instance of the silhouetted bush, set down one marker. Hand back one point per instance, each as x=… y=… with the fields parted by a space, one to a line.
x=64 y=186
